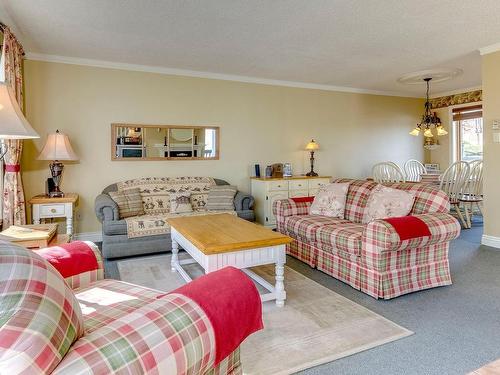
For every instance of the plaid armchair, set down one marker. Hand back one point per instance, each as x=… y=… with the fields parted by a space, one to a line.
x=372 y=257
x=102 y=326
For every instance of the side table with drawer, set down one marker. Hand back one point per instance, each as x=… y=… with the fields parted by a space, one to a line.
x=268 y=190
x=44 y=207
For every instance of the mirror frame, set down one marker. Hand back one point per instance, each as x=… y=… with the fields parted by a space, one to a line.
x=114 y=135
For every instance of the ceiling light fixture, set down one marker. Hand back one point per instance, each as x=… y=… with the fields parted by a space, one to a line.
x=429 y=119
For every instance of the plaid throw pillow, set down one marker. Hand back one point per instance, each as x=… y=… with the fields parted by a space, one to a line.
x=221 y=197
x=129 y=202
x=180 y=203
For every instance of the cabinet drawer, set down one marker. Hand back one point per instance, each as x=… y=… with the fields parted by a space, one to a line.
x=297 y=193
x=278 y=185
x=318 y=182
x=49 y=210
x=298 y=185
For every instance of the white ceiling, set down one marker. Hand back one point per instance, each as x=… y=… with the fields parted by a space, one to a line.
x=362 y=44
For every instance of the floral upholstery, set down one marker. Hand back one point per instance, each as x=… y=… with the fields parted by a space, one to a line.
x=371 y=257
x=117 y=327
x=330 y=200
x=387 y=202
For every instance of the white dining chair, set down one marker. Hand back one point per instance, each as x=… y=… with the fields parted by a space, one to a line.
x=473 y=191
x=387 y=172
x=414 y=170
x=453 y=182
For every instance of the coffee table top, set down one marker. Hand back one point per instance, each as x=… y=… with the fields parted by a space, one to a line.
x=221 y=233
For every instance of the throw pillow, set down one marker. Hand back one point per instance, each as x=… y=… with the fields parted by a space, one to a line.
x=129 y=202
x=40 y=315
x=156 y=204
x=387 y=202
x=199 y=201
x=221 y=197
x=330 y=200
x=180 y=203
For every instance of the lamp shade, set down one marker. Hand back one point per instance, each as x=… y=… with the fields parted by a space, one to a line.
x=13 y=124
x=312 y=146
x=57 y=147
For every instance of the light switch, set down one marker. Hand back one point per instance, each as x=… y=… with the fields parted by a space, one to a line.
x=496 y=137
x=496 y=125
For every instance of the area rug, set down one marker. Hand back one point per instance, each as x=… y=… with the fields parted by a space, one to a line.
x=316 y=325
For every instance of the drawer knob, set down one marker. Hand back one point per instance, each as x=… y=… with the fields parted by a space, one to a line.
x=53 y=210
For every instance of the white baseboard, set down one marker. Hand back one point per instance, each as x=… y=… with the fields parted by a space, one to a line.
x=491 y=241
x=88 y=236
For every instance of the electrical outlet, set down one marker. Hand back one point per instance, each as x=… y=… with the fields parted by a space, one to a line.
x=496 y=137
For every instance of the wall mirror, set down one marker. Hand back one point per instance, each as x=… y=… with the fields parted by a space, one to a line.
x=164 y=142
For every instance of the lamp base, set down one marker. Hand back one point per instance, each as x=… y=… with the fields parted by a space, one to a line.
x=56 y=194
x=312 y=174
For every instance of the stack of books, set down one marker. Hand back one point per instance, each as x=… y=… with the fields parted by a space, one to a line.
x=30 y=236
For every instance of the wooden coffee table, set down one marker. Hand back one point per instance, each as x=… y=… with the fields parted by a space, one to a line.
x=217 y=241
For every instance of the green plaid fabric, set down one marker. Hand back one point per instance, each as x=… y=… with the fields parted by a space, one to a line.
x=39 y=315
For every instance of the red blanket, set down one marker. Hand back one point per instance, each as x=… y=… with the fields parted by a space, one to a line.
x=70 y=259
x=409 y=227
x=231 y=302
x=302 y=199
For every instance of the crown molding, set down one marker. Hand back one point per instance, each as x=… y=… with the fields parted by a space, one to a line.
x=207 y=75
x=454 y=92
x=489 y=49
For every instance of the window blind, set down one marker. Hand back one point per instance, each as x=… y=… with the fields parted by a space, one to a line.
x=467 y=113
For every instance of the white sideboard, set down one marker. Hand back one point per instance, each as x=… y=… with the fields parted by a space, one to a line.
x=268 y=190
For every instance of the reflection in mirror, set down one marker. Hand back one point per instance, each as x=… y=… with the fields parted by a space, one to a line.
x=164 y=142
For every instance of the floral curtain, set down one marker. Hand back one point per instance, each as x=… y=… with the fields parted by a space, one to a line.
x=14 y=210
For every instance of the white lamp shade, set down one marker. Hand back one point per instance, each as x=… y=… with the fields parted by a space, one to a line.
x=13 y=124
x=312 y=146
x=57 y=147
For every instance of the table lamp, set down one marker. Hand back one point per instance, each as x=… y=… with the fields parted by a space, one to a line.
x=57 y=148
x=13 y=124
x=312 y=146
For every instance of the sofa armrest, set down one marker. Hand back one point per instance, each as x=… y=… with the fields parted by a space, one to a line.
x=380 y=236
x=288 y=207
x=243 y=201
x=69 y=256
x=106 y=208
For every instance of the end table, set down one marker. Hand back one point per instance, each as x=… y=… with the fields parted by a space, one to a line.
x=44 y=207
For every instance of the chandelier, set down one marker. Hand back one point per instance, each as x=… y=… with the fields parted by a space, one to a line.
x=429 y=119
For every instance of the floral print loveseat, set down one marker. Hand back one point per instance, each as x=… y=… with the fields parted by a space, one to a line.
x=372 y=257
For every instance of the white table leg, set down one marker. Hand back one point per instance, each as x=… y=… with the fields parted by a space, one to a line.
x=69 y=225
x=36 y=214
x=280 y=285
x=175 y=256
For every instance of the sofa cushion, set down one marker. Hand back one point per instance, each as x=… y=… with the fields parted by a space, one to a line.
x=107 y=300
x=156 y=204
x=386 y=202
x=129 y=202
x=199 y=201
x=304 y=227
x=330 y=200
x=428 y=198
x=180 y=203
x=357 y=197
x=342 y=236
x=40 y=315
x=221 y=198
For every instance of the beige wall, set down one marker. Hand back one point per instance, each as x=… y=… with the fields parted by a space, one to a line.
x=491 y=111
x=259 y=124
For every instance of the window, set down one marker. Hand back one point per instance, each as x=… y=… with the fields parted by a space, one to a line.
x=468 y=125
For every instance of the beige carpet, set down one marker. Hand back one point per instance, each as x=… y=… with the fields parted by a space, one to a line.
x=315 y=326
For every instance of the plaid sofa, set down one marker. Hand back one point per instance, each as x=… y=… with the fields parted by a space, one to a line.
x=371 y=257
x=101 y=326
